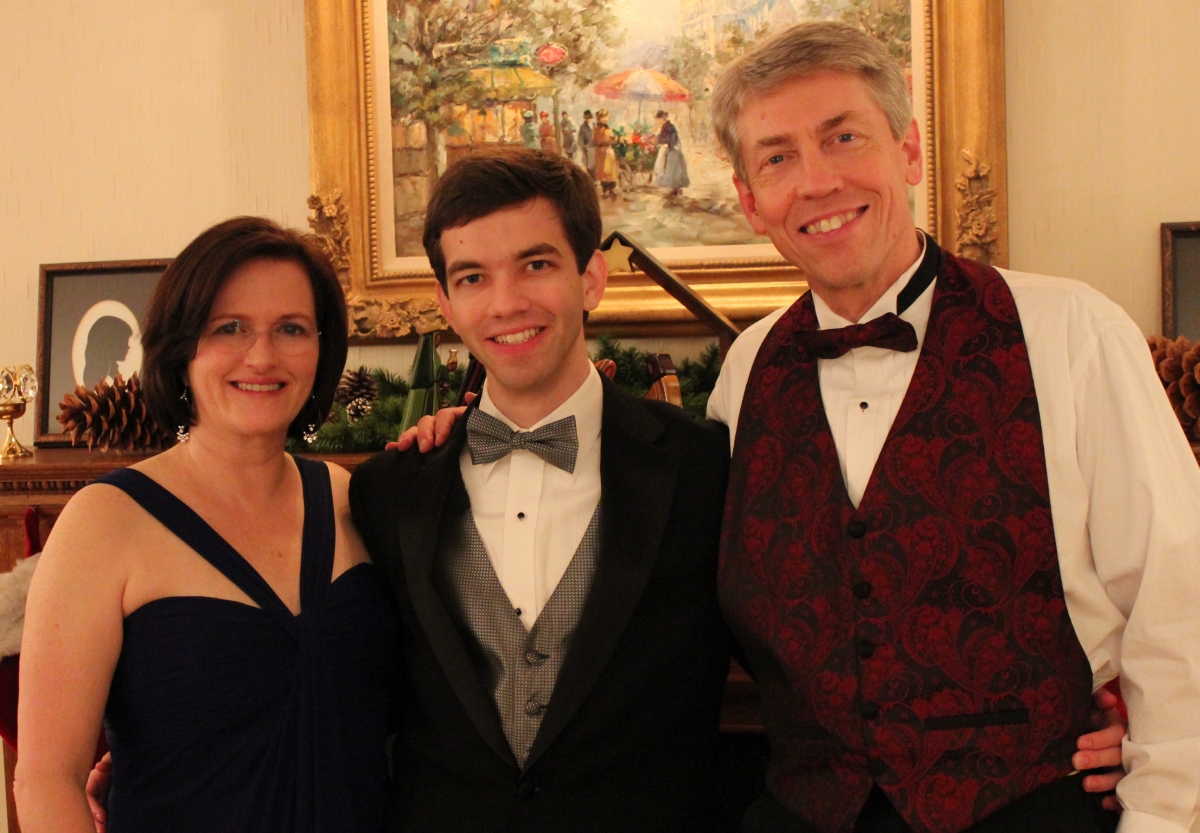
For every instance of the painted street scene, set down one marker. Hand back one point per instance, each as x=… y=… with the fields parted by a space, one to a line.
x=621 y=87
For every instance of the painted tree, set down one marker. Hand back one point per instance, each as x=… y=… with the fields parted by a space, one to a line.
x=736 y=40
x=890 y=21
x=589 y=32
x=693 y=67
x=432 y=46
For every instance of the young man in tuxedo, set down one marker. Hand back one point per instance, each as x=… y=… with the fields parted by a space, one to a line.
x=554 y=562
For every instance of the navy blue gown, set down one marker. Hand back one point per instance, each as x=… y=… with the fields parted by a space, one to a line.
x=224 y=716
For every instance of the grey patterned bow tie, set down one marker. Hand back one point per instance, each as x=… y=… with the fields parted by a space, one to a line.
x=489 y=439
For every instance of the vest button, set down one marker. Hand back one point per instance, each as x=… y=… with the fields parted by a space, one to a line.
x=862 y=589
x=856 y=528
x=876 y=767
x=533 y=708
x=865 y=648
x=526 y=790
x=869 y=711
x=535 y=657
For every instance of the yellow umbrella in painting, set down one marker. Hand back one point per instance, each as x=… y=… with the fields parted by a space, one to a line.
x=513 y=83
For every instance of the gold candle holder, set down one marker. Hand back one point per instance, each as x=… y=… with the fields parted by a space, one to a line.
x=18 y=386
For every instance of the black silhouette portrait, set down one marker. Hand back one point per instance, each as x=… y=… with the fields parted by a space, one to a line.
x=107 y=344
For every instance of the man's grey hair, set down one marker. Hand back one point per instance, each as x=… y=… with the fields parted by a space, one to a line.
x=802 y=50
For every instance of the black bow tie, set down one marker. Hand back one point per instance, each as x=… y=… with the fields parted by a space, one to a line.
x=489 y=439
x=889 y=331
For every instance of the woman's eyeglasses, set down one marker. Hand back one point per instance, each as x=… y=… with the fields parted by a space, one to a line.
x=288 y=339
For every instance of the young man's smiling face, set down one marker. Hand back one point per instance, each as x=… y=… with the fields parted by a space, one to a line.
x=828 y=183
x=515 y=296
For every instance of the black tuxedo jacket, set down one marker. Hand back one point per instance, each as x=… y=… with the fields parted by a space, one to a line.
x=627 y=742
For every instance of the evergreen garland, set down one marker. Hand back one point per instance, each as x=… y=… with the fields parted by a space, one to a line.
x=381 y=425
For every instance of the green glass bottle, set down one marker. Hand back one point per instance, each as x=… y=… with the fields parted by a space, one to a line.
x=422 y=382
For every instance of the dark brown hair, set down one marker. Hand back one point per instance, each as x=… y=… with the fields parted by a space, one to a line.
x=493 y=179
x=184 y=298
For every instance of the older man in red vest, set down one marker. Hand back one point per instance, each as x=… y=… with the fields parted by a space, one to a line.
x=959 y=501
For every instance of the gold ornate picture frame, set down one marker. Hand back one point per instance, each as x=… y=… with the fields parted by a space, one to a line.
x=958 y=84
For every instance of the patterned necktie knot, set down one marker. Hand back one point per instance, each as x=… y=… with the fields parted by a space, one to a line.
x=489 y=439
x=888 y=331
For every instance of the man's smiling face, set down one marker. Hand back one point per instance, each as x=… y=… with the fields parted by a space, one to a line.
x=827 y=182
x=515 y=296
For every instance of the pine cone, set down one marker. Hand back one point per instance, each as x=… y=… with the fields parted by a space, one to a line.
x=1178 y=365
x=358 y=409
x=111 y=417
x=356 y=384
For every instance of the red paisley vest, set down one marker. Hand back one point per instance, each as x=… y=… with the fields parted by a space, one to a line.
x=920 y=642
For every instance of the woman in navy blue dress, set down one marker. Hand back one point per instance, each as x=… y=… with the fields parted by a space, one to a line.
x=214 y=604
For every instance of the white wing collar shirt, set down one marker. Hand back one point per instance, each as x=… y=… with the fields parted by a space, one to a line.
x=530 y=514
x=1124 y=495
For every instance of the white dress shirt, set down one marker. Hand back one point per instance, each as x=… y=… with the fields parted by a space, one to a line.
x=530 y=514
x=1124 y=495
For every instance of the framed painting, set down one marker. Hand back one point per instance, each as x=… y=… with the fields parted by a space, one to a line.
x=1181 y=280
x=399 y=89
x=89 y=328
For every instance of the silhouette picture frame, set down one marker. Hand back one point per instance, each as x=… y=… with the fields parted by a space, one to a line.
x=89 y=328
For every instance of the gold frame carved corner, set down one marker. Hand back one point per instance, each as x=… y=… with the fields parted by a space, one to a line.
x=970 y=145
x=977 y=223
x=370 y=318
x=390 y=319
x=330 y=222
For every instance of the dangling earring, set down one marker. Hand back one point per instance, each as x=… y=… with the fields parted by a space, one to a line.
x=310 y=434
x=182 y=434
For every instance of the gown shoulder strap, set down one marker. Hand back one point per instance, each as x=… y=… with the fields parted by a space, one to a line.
x=320 y=533
x=189 y=527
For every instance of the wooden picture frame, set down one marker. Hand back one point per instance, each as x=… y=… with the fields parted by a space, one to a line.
x=1180 y=279
x=959 y=102
x=74 y=299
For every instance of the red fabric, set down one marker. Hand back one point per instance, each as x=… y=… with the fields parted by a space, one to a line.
x=33 y=532
x=888 y=331
x=10 y=669
x=939 y=597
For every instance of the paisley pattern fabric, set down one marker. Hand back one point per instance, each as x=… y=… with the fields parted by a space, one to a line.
x=920 y=642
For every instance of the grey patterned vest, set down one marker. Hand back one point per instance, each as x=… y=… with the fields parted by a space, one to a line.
x=517 y=666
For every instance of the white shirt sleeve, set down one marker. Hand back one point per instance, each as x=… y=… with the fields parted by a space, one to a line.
x=1144 y=528
x=1125 y=495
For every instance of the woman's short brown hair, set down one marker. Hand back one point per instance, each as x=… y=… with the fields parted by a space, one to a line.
x=493 y=179
x=184 y=298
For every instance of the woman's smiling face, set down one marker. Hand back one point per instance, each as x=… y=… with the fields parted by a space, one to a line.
x=250 y=386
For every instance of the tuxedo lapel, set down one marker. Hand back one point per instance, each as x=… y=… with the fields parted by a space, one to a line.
x=637 y=484
x=420 y=521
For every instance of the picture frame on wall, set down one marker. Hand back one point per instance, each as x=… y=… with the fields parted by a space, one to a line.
x=89 y=328
x=379 y=139
x=1181 y=280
